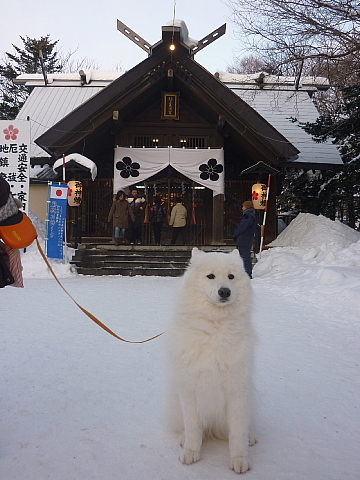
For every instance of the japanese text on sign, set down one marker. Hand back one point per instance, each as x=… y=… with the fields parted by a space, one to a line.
x=15 y=158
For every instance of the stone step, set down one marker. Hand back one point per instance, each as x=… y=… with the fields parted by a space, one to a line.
x=131 y=260
x=131 y=272
x=123 y=253
x=156 y=248
x=107 y=263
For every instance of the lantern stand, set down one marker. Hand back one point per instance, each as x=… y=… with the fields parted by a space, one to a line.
x=78 y=164
x=73 y=172
x=265 y=213
x=259 y=170
x=66 y=215
x=77 y=211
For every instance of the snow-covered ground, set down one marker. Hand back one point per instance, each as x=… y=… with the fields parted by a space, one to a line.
x=78 y=404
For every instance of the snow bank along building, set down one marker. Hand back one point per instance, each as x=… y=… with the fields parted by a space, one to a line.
x=174 y=129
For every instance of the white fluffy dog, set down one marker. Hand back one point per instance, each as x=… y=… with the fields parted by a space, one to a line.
x=210 y=349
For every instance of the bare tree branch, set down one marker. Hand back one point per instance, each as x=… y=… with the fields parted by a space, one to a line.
x=299 y=28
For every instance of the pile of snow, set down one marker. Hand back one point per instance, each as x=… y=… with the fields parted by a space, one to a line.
x=80 y=404
x=316 y=255
x=314 y=247
x=32 y=261
x=308 y=230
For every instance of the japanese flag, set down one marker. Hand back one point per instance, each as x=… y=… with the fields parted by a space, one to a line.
x=59 y=192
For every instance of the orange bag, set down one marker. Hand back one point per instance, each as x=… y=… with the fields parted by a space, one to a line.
x=18 y=231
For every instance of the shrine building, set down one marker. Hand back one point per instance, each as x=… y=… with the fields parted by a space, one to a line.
x=171 y=128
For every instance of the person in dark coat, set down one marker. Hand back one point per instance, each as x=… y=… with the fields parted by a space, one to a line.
x=137 y=205
x=157 y=218
x=244 y=235
x=119 y=214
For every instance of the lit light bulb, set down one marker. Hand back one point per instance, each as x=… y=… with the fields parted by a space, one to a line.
x=172 y=47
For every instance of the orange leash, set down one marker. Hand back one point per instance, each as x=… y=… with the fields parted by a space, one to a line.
x=90 y=315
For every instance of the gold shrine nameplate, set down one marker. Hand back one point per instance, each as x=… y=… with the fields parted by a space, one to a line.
x=170 y=106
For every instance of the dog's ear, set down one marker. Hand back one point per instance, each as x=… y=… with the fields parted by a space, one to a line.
x=195 y=253
x=235 y=253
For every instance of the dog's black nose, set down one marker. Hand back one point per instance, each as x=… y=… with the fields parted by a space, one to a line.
x=224 y=293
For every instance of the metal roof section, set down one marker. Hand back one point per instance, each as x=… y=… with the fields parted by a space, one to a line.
x=262 y=80
x=286 y=108
x=43 y=173
x=144 y=79
x=118 y=94
x=46 y=106
x=93 y=78
x=284 y=102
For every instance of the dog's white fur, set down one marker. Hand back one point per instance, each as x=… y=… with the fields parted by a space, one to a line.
x=210 y=352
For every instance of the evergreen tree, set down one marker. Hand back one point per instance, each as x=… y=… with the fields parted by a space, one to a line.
x=343 y=126
x=24 y=60
x=304 y=191
x=333 y=194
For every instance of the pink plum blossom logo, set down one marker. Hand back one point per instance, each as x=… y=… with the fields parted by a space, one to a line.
x=210 y=170
x=255 y=195
x=11 y=132
x=128 y=168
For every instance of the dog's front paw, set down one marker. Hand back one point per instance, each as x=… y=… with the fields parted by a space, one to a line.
x=252 y=439
x=239 y=464
x=190 y=456
x=182 y=439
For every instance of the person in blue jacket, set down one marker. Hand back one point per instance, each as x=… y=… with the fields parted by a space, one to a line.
x=245 y=233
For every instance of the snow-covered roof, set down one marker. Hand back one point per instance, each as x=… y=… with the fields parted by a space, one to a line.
x=285 y=108
x=184 y=32
x=46 y=106
x=81 y=160
x=273 y=82
x=42 y=172
x=278 y=99
x=91 y=78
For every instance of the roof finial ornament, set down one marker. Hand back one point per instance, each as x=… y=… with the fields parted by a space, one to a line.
x=194 y=45
x=134 y=37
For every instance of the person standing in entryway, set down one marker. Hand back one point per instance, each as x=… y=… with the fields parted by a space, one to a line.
x=178 y=222
x=137 y=205
x=119 y=214
x=157 y=218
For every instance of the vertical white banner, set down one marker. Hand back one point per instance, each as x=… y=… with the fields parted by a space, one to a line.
x=15 y=158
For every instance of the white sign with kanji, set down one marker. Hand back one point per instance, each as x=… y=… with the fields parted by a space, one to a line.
x=15 y=158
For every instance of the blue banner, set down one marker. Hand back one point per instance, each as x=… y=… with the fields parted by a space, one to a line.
x=56 y=221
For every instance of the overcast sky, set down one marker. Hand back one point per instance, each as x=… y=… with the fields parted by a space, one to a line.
x=90 y=27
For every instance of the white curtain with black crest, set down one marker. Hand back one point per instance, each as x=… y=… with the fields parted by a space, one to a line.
x=134 y=165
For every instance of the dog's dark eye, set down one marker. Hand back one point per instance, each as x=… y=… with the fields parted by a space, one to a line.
x=231 y=276
x=211 y=276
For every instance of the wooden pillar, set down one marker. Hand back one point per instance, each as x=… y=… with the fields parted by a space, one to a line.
x=218 y=220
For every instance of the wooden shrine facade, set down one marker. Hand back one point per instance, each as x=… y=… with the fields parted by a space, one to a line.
x=171 y=100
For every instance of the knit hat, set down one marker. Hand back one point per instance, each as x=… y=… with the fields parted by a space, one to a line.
x=248 y=204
